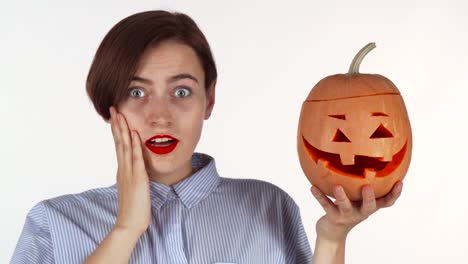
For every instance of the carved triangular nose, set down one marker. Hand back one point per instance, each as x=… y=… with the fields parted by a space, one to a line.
x=340 y=137
x=381 y=132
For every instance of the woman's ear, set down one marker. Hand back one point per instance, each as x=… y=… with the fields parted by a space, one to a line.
x=210 y=99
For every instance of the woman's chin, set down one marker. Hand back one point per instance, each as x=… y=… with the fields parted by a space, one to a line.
x=168 y=170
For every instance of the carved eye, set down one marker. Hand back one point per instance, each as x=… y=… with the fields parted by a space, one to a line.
x=340 y=137
x=379 y=114
x=342 y=117
x=381 y=132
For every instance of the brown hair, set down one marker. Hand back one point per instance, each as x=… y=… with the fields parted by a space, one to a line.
x=117 y=57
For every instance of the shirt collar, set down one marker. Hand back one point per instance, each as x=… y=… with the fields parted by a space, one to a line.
x=192 y=189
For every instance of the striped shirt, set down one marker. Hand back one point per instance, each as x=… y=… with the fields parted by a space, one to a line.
x=202 y=219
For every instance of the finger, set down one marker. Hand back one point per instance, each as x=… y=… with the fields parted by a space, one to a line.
x=344 y=204
x=323 y=200
x=389 y=199
x=369 y=204
x=126 y=145
x=115 y=127
x=138 y=161
x=112 y=123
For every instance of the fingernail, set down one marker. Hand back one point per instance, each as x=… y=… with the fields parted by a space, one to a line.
x=367 y=189
x=314 y=190
x=337 y=191
x=338 y=188
x=399 y=186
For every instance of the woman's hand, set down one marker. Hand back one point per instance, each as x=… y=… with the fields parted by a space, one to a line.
x=134 y=209
x=342 y=215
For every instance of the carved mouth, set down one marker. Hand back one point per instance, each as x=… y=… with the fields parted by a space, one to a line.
x=362 y=164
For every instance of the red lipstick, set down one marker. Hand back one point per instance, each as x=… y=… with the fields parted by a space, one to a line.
x=164 y=147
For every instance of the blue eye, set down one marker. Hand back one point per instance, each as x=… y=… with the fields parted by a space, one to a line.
x=182 y=92
x=136 y=92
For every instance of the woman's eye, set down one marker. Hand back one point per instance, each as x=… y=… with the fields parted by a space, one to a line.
x=136 y=92
x=182 y=92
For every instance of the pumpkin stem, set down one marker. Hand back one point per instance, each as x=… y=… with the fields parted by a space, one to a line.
x=354 y=67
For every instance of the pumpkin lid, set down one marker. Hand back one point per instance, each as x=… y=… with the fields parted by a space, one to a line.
x=341 y=86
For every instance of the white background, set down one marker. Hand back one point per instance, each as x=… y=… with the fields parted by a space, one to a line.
x=269 y=55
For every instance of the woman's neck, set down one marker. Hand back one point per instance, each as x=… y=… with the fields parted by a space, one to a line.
x=174 y=177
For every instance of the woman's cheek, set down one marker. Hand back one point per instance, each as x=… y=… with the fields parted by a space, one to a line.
x=132 y=121
x=182 y=106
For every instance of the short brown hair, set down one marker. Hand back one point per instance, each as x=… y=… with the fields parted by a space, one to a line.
x=117 y=57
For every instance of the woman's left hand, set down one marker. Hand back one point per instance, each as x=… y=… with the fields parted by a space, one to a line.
x=342 y=215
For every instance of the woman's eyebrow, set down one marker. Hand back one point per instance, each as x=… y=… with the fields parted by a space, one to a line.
x=171 y=79
x=140 y=79
x=182 y=76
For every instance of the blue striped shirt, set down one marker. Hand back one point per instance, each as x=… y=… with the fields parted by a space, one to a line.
x=202 y=219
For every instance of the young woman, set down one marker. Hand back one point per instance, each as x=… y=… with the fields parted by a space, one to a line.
x=153 y=79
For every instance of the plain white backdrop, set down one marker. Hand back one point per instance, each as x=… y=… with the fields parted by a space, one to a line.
x=269 y=55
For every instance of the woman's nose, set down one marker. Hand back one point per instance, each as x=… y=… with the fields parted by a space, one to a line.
x=158 y=113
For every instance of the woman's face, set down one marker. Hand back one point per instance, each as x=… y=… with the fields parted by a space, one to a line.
x=167 y=97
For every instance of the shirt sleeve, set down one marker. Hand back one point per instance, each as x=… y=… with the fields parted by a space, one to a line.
x=297 y=244
x=35 y=242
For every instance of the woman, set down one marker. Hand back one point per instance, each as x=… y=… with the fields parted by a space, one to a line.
x=153 y=79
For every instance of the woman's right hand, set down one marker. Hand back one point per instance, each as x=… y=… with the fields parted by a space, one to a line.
x=134 y=208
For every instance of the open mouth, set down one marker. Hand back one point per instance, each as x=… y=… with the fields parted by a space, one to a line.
x=161 y=144
x=363 y=165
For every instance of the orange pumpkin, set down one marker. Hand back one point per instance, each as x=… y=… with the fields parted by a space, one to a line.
x=354 y=130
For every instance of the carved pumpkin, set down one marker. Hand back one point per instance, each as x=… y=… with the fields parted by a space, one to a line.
x=354 y=130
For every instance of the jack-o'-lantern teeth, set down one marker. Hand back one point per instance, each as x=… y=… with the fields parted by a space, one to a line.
x=369 y=173
x=354 y=165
